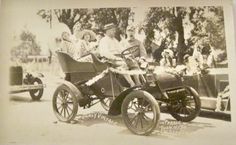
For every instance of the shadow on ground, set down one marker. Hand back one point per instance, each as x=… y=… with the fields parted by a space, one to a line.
x=215 y=115
x=21 y=99
x=166 y=128
x=208 y=114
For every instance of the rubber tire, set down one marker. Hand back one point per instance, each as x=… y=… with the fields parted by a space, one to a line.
x=154 y=105
x=75 y=104
x=192 y=116
x=33 y=92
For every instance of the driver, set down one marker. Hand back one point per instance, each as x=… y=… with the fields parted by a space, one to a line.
x=132 y=41
x=141 y=54
x=109 y=47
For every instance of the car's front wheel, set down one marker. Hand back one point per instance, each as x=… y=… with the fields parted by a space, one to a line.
x=65 y=104
x=140 y=112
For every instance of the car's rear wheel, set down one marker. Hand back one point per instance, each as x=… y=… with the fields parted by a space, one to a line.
x=65 y=104
x=140 y=112
x=187 y=107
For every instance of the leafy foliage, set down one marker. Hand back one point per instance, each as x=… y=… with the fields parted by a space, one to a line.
x=86 y=18
x=206 y=24
x=118 y=16
x=28 y=46
x=69 y=17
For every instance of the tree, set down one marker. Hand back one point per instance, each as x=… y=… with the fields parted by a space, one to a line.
x=70 y=17
x=86 y=17
x=170 y=18
x=205 y=20
x=28 y=46
x=118 y=16
x=209 y=24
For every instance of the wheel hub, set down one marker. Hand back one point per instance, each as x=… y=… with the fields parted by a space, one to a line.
x=64 y=104
x=139 y=110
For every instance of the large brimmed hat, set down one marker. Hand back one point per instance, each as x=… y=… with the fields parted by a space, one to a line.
x=109 y=26
x=99 y=32
x=85 y=32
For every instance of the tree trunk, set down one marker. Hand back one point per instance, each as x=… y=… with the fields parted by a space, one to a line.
x=71 y=29
x=181 y=47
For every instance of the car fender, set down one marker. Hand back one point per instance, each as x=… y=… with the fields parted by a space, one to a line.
x=192 y=90
x=74 y=89
x=195 y=93
x=115 y=108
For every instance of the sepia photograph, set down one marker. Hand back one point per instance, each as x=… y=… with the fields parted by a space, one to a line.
x=107 y=74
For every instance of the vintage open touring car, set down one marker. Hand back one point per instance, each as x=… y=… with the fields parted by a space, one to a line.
x=87 y=83
x=25 y=83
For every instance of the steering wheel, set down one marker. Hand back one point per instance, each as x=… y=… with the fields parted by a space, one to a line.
x=130 y=51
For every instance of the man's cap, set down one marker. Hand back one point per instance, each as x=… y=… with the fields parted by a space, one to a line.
x=100 y=33
x=109 y=26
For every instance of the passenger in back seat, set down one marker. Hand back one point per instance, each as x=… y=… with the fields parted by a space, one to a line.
x=67 y=45
x=84 y=47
